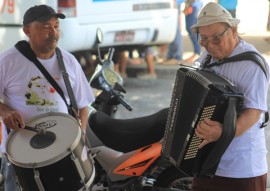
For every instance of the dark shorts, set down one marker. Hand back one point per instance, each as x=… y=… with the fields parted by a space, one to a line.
x=117 y=55
x=218 y=183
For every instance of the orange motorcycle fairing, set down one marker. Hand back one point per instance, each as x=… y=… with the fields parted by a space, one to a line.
x=140 y=161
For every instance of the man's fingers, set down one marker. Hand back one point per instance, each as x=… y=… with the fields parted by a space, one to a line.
x=20 y=123
x=203 y=143
x=14 y=121
x=199 y=134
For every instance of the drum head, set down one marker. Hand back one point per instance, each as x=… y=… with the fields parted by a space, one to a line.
x=29 y=149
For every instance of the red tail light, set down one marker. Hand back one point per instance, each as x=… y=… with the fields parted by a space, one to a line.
x=67 y=7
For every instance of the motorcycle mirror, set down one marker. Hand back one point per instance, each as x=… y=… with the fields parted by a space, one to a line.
x=99 y=36
x=119 y=88
x=110 y=76
x=99 y=39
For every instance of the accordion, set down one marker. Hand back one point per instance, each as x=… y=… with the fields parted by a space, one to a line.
x=199 y=94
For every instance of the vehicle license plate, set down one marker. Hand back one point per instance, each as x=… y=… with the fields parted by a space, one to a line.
x=124 y=36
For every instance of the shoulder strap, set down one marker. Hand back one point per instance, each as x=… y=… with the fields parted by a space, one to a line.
x=25 y=49
x=66 y=79
x=266 y=119
x=249 y=55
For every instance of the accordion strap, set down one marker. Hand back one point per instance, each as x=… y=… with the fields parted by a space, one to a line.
x=249 y=55
x=228 y=133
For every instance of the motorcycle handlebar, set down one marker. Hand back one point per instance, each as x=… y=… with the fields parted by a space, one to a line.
x=110 y=53
x=124 y=103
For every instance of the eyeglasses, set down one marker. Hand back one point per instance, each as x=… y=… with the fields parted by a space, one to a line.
x=214 y=39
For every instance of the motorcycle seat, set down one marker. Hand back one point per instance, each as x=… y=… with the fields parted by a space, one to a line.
x=127 y=135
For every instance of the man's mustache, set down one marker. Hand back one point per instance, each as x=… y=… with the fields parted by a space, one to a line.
x=52 y=38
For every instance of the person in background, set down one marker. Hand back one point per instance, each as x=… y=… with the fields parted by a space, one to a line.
x=230 y=5
x=149 y=56
x=20 y=79
x=192 y=7
x=243 y=166
x=120 y=62
x=135 y=60
x=268 y=23
x=86 y=61
x=268 y=19
x=175 y=48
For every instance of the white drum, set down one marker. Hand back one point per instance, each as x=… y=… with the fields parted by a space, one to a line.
x=53 y=159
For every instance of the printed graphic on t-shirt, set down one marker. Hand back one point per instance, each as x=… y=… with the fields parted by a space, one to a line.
x=40 y=92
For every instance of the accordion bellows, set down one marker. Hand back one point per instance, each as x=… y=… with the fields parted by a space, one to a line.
x=199 y=94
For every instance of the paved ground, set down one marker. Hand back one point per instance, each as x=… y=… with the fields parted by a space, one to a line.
x=149 y=96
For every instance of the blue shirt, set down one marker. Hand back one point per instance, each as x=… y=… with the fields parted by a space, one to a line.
x=179 y=1
x=228 y=4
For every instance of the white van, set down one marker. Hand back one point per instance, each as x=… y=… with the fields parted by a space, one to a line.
x=123 y=22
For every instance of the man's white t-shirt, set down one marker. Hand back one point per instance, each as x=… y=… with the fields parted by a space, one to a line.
x=24 y=88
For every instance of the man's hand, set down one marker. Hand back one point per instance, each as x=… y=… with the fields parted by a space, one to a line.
x=11 y=118
x=209 y=131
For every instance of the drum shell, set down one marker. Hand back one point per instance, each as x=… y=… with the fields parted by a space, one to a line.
x=69 y=169
x=61 y=175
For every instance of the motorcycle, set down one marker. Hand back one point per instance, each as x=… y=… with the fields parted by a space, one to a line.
x=127 y=152
x=108 y=83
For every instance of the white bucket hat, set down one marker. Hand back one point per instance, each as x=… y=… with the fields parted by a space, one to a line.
x=214 y=13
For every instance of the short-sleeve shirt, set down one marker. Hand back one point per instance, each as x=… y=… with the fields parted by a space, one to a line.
x=246 y=155
x=24 y=88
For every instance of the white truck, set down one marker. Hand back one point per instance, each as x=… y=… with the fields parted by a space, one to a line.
x=124 y=23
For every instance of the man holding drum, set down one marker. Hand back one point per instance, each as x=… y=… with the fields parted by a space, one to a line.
x=24 y=89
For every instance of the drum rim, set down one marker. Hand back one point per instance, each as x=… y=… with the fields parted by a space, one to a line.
x=92 y=176
x=51 y=114
x=51 y=160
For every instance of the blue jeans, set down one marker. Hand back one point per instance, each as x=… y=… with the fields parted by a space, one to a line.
x=191 y=19
x=175 y=48
x=10 y=182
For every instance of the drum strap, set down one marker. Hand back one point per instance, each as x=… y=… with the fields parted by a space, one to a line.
x=24 y=47
x=65 y=75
